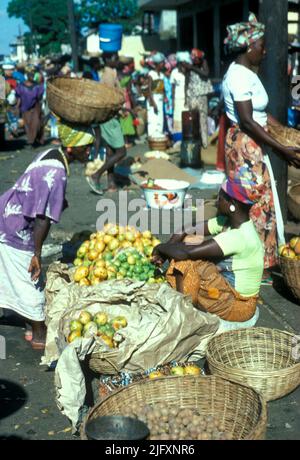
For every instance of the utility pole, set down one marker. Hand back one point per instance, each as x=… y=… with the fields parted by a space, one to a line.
x=275 y=77
x=73 y=35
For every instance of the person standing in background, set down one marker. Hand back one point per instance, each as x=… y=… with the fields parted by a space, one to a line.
x=29 y=96
x=198 y=88
x=155 y=104
x=178 y=81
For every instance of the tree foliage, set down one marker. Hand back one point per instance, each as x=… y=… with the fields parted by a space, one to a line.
x=93 y=12
x=47 y=21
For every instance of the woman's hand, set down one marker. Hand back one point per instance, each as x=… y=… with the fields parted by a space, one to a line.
x=292 y=156
x=157 y=258
x=35 y=268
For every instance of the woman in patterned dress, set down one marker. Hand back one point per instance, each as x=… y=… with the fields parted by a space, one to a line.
x=246 y=104
x=27 y=211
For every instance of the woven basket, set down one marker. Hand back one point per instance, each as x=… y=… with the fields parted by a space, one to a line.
x=160 y=144
x=289 y=137
x=83 y=101
x=294 y=201
x=290 y=269
x=259 y=357
x=104 y=363
x=242 y=410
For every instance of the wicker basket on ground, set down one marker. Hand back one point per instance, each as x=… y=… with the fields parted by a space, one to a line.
x=83 y=101
x=104 y=363
x=290 y=269
x=294 y=201
x=289 y=137
x=264 y=359
x=240 y=408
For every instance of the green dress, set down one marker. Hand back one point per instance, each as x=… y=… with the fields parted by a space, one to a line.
x=127 y=126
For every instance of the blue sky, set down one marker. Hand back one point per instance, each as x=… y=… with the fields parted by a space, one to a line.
x=9 y=28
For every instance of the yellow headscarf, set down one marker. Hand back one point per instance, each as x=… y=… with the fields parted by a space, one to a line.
x=75 y=135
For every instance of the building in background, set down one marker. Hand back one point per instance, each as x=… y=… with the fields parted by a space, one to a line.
x=202 y=23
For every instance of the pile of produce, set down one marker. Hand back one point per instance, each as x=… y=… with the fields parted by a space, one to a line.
x=173 y=423
x=291 y=250
x=110 y=384
x=99 y=325
x=116 y=253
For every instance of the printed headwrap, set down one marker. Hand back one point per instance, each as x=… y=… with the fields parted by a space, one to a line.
x=240 y=189
x=74 y=135
x=184 y=56
x=243 y=34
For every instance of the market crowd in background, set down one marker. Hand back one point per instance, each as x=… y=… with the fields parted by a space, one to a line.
x=155 y=95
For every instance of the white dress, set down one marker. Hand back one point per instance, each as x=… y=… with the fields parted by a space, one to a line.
x=156 y=120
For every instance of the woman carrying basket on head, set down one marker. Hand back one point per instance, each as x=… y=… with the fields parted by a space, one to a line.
x=246 y=104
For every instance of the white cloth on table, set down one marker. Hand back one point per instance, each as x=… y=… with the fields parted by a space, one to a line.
x=17 y=291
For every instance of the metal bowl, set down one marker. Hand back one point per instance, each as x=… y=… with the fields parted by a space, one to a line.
x=116 y=428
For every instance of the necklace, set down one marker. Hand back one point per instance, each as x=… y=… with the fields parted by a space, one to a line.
x=65 y=161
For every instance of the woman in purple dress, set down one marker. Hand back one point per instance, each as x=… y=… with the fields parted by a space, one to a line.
x=27 y=211
x=29 y=96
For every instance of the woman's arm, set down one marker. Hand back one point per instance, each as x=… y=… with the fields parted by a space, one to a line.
x=253 y=129
x=41 y=229
x=179 y=237
x=180 y=251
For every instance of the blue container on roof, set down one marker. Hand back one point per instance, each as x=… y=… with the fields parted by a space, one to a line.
x=110 y=37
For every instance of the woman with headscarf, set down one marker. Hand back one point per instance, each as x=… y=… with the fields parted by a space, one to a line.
x=246 y=104
x=29 y=95
x=27 y=211
x=198 y=88
x=223 y=274
x=155 y=103
x=178 y=81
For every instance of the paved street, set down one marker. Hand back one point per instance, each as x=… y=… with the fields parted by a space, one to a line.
x=38 y=416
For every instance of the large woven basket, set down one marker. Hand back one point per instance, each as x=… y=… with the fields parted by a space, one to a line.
x=242 y=410
x=160 y=144
x=294 y=201
x=261 y=358
x=83 y=101
x=289 y=137
x=290 y=269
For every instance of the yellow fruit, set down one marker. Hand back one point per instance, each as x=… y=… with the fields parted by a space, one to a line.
x=177 y=370
x=282 y=248
x=100 y=246
x=192 y=370
x=151 y=281
x=107 y=340
x=147 y=235
x=120 y=277
x=81 y=272
x=295 y=244
x=101 y=273
x=107 y=239
x=114 y=230
x=77 y=262
x=119 y=323
x=288 y=253
x=126 y=245
x=100 y=235
x=76 y=326
x=85 y=317
x=93 y=255
x=100 y=264
x=90 y=329
x=73 y=336
x=82 y=251
x=121 y=238
x=92 y=245
x=129 y=236
x=148 y=250
x=113 y=245
x=131 y=260
x=84 y=282
x=156 y=375
x=101 y=319
x=93 y=236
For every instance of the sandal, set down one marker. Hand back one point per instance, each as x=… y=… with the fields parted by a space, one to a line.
x=94 y=186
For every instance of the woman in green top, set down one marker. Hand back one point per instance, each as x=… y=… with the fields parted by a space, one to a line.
x=223 y=274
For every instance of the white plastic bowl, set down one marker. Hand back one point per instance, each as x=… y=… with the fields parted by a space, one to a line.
x=171 y=196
